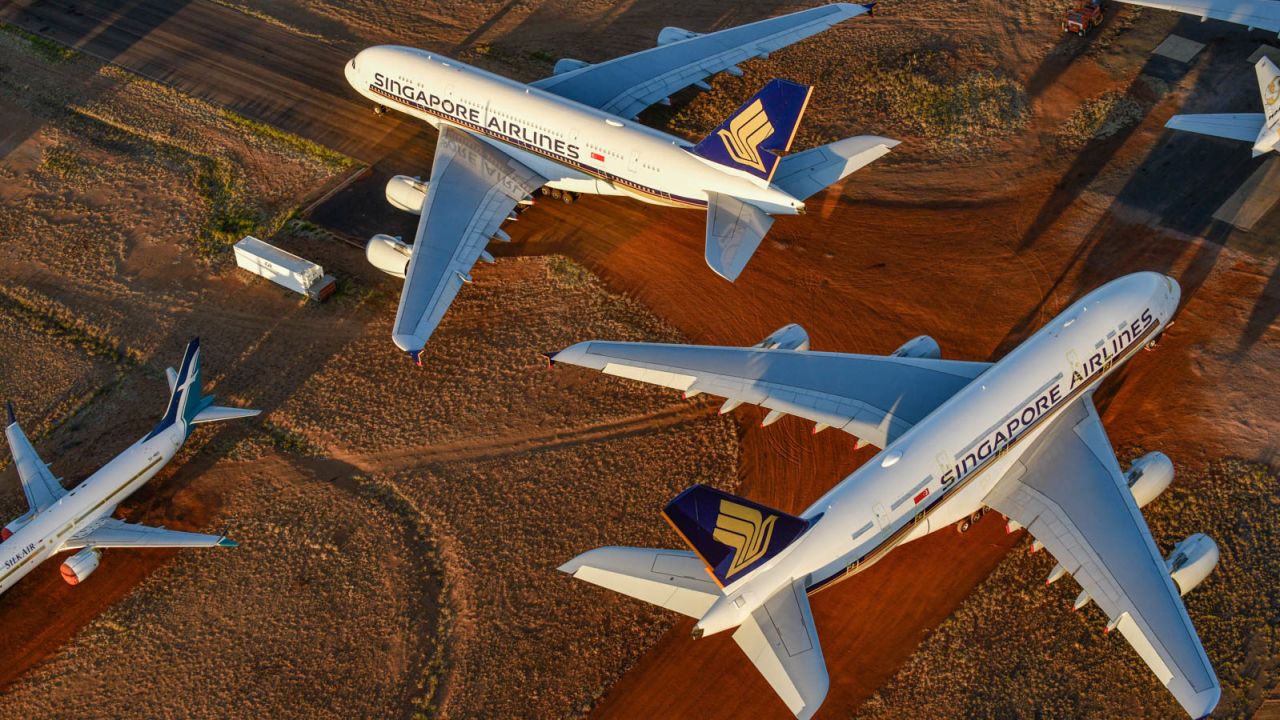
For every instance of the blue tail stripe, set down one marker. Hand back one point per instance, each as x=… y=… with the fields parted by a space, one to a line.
x=176 y=397
x=732 y=535
x=751 y=137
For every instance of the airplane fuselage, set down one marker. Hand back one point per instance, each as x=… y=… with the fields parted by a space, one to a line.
x=940 y=470
x=576 y=147
x=48 y=532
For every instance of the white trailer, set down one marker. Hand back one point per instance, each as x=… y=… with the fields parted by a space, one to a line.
x=283 y=268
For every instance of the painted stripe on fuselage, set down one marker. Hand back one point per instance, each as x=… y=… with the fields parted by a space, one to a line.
x=665 y=197
x=879 y=551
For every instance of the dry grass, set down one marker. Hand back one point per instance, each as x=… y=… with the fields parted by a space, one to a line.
x=1015 y=649
x=1099 y=118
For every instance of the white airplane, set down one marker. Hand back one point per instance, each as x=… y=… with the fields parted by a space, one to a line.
x=1257 y=128
x=1264 y=14
x=81 y=519
x=575 y=132
x=1021 y=436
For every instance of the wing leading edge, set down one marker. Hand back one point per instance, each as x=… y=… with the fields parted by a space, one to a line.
x=1069 y=493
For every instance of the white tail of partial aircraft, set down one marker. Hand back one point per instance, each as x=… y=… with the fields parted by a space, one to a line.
x=1257 y=128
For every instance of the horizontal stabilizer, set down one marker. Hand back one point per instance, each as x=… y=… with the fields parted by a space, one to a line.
x=781 y=640
x=732 y=535
x=734 y=231
x=751 y=138
x=807 y=173
x=218 y=413
x=1233 y=126
x=671 y=579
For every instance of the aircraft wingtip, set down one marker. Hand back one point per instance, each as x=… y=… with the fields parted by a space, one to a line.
x=227 y=542
x=8 y=406
x=550 y=357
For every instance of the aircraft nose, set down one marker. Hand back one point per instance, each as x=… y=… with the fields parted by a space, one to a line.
x=1173 y=292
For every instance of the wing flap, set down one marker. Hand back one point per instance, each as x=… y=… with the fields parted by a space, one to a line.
x=781 y=640
x=474 y=187
x=627 y=85
x=870 y=397
x=1071 y=495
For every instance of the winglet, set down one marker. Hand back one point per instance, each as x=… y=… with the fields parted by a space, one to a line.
x=9 y=407
x=415 y=356
x=550 y=357
x=227 y=542
x=871 y=9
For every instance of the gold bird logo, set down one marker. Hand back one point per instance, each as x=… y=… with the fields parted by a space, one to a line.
x=745 y=530
x=746 y=131
x=1272 y=93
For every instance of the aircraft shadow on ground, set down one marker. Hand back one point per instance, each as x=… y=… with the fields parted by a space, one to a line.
x=1174 y=191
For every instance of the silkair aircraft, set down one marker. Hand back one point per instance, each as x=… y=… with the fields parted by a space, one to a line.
x=1021 y=436
x=575 y=132
x=1257 y=128
x=81 y=519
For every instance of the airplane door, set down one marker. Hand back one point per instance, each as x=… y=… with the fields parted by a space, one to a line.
x=634 y=164
x=882 y=516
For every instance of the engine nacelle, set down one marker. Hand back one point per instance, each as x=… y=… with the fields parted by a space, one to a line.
x=1191 y=561
x=674 y=34
x=919 y=347
x=388 y=254
x=1149 y=476
x=564 y=65
x=17 y=524
x=81 y=565
x=787 y=337
x=407 y=194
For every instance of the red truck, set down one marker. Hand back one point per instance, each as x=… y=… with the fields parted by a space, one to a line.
x=1083 y=19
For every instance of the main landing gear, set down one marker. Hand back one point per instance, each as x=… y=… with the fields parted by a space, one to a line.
x=379 y=110
x=965 y=524
x=557 y=194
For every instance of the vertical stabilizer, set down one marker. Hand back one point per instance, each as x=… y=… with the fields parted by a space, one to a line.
x=1269 y=86
x=187 y=402
x=751 y=138
x=732 y=535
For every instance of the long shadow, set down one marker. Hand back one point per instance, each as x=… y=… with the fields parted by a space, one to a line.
x=107 y=30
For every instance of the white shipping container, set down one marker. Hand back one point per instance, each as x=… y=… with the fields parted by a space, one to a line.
x=278 y=266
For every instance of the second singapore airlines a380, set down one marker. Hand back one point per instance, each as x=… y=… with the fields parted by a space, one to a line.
x=1021 y=436
x=575 y=132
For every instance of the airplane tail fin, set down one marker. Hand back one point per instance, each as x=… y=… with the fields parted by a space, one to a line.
x=1269 y=86
x=751 y=138
x=732 y=535
x=187 y=402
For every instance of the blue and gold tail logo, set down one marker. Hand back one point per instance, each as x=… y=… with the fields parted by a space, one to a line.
x=744 y=529
x=732 y=535
x=746 y=132
x=752 y=137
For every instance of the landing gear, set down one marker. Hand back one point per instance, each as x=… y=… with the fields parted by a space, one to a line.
x=379 y=109
x=562 y=195
x=568 y=197
x=546 y=191
x=964 y=525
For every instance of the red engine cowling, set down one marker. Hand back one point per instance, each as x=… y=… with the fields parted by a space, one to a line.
x=81 y=565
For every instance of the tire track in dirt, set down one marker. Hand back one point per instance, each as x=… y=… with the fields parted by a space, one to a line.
x=505 y=446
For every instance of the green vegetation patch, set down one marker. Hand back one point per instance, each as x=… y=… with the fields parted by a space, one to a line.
x=321 y=154
x=1100 y=117
x=50 y=50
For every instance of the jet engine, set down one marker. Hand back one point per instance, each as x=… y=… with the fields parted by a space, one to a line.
x=787 y=337
x=564 y=65
x=8 y=530
x=81 y=565
x=388 y=254
x=1149 y=476
x=919 y=347
x=1191 y=561
x=406 y=193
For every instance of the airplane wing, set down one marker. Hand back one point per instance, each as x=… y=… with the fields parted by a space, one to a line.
x=626 y=85
x=781 y=641
x=38 y=484
x=1069 y=493
x=1234 y=126
x=871 y=397
x=111 y=533
x=474 y=187
x=1264 y=14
